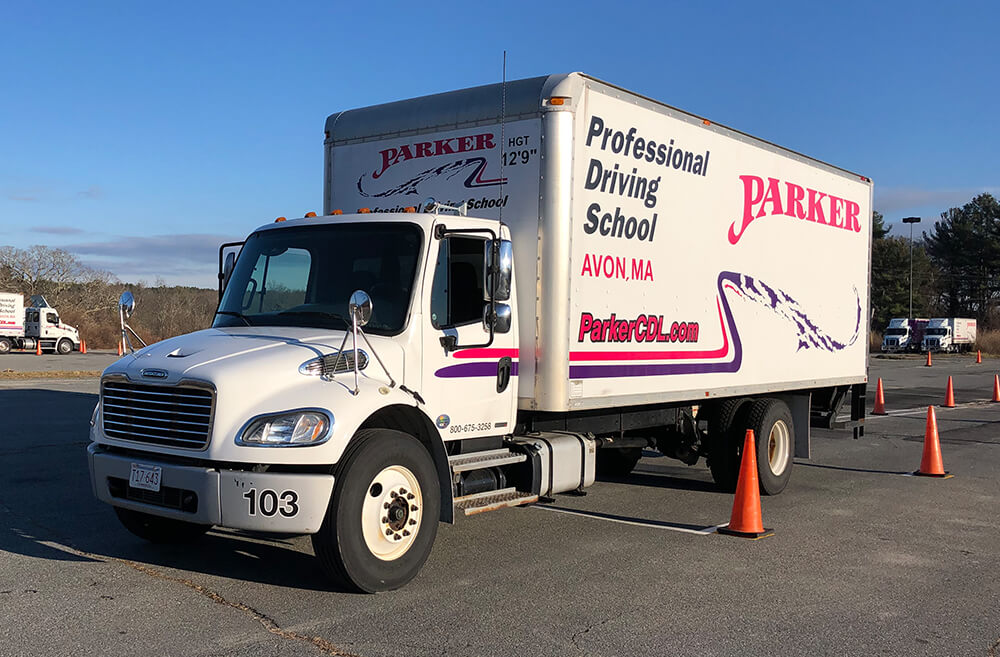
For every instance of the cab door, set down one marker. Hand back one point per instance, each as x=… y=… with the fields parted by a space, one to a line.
x=469 y=381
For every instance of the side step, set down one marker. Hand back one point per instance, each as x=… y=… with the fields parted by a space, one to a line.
x=492 y=500
x=487 y=459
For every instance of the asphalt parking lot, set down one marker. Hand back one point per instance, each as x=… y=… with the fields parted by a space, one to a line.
x=864 y=560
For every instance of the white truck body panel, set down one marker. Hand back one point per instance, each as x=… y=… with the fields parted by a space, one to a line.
x=659 y=257
x=11 y=315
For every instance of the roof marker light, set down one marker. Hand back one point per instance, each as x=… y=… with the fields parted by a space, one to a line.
x=706 y=122
x=409 y=208
x=364 y=210
x=337 y=212
x=279 y=219
x=309 y=215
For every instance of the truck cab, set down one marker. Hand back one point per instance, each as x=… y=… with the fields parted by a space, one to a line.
x=43 y=324
x=903 y=334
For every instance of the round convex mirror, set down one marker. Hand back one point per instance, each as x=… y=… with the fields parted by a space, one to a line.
x=360 y=306
x=127 y=303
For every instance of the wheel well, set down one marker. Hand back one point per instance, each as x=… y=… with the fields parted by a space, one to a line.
x=409 y=420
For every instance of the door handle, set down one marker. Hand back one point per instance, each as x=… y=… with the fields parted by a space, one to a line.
x=503 y=373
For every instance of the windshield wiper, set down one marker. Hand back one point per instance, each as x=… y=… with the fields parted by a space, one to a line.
x=233 y=313
x=314 y=313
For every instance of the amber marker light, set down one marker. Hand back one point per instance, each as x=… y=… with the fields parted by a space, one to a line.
x=409 y=208
x=279 y=219
x=706 y=122
x=309 y=215
x=363 y=210
x=337 y=212
x=558 y=100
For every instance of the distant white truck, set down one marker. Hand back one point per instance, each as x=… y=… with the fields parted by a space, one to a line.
x=657 y=281
x=25 y=328
x=904 y=334
x=949 y=334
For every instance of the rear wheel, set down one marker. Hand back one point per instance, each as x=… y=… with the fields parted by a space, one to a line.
x=5 y=346
x=383 y=515
x=772 y=426
x=159 y=530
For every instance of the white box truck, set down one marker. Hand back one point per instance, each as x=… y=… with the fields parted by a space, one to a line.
x=635 y=277
x=904 y=334
x=949 y=334
x=26 y=328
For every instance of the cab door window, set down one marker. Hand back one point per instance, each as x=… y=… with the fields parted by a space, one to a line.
x=52 y=318
x=457 y=290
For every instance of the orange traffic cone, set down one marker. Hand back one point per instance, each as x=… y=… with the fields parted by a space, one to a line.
x=120 y=350
x=979 y=356
x=83 y=346
x=996 y=388
x=949 y=396
x=745 y=520
x=38 y=348
x=928 y=364
x=930 y=462
x=879 y=400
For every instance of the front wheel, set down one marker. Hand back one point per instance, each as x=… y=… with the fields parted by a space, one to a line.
x=64 y=347
x=383 y=515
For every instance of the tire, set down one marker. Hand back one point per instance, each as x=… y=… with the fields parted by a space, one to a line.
x=5 y=346
x=64 y=347
x=353 y=546
x=159 y=530
x=617 y=462
x=774 y=431
x=725 y=432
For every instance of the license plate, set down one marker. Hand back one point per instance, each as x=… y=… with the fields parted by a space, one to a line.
x=146 y=477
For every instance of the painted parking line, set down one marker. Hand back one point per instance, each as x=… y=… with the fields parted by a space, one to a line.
x=627 y=520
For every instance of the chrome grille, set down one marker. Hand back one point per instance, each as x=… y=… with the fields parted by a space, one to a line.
x=177 y=416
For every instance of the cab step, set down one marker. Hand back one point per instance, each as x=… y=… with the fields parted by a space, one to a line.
x=486 y=459
x=492 y=500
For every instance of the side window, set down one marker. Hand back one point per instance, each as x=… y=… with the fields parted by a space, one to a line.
x=52 y=318
x=457 y=291
x=278 y=281
x=32 y=316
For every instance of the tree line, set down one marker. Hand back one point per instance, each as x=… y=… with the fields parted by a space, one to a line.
x=956 y=267
x=87 y=298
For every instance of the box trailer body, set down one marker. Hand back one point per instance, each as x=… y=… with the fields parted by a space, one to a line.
x=595 y=274
x=27 y=328
x=949 y=334
x=659 y=257
x=904 y=334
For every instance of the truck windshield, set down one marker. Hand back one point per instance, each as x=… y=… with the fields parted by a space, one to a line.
x=937 y=331
x=896 y=331
x=304 y=276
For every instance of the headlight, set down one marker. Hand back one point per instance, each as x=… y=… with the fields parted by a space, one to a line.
x=298 y=428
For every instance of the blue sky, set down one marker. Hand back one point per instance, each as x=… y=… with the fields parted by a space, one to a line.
x=141 y=135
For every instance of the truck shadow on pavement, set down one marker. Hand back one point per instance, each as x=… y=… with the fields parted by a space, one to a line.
x=48 y=511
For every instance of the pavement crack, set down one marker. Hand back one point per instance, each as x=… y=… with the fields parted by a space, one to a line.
x=577 y=636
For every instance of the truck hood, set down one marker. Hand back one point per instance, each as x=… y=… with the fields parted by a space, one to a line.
x=244 y=353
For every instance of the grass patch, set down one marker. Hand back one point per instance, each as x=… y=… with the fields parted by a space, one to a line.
x=61 y=374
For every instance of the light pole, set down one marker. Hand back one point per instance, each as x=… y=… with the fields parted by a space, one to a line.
x=911 y=221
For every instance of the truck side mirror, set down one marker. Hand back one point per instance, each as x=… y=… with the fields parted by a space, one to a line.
x=501 y=320
x=127 y=304
x=498 y=263
x=227 y=269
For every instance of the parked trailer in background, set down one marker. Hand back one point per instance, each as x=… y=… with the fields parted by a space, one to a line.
x=949 y=334
x=25 y=328
x=636 y=277
x=904 y=334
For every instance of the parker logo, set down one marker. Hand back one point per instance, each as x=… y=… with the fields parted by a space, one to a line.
x=775 y=197
x=473 y=168
x=391 y=156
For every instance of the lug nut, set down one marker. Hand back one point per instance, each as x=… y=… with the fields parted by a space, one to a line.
x=392 y=494
x=385 y=519
x=406 y=532
x=410 y=496
x=388 y=532
x=397 y=537
x=385 y=506
x=412 y=521
x=413 y=507
x=402 y=491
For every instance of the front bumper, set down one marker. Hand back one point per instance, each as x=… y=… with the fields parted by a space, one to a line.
x=290 y=503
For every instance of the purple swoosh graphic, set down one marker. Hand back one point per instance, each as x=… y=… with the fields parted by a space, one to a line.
x=447 y=170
